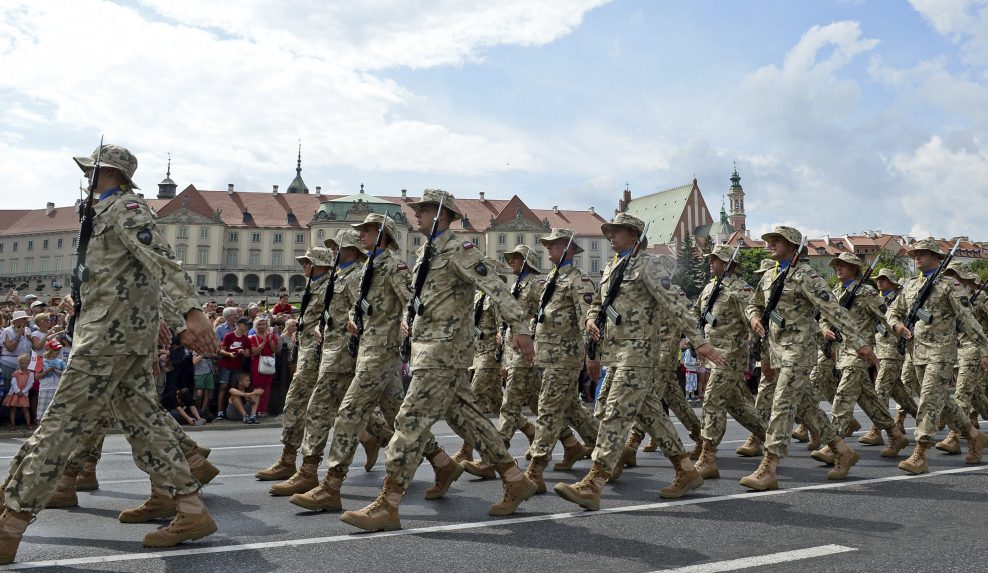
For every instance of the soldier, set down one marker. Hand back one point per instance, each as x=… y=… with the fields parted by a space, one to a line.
x=315 y=265
x=726 y=390
x=792 y=356
x=855 y=384
x=970 y=389
x=752 y=447
x=560 y=352
x=124 y=264
x=440 y=381
x=934 y=354
x=627 y=347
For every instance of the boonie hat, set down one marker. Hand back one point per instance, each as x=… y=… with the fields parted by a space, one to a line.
x=346 y=238
x=623 y=220
x=557 y=234
x=765 y=266
x=318 y=256
x=527 y=255
x=846 y=258
x=926 y=245
x=961 y=271
x=114 y=157
x=389 y=228
x=434 y=197
x=787 y=233
x=722 y=252
x=888 y=275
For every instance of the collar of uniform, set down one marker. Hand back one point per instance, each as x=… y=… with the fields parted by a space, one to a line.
x=847 y=284
x=927 y=274
x=523 y=274
x=444 y=239
x=886 y=292
x=317 y=278
x=346 y=265
x=565 y=263
x=626 y=252
x=108 y=193
x=105 y=204
x=376 y=252
x=782 y=265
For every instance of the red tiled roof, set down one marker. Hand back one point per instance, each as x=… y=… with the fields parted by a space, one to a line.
x=10 y=216
x=61 y=219
x=584 y=223
x=749 y=243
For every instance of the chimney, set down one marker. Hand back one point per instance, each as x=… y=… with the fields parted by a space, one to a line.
x=404 y=194
x=318 y=190
x=229 y=188
x=555 y=209
x=592 y=212
x=482 y=197
x=49 y=208
x=274 y=189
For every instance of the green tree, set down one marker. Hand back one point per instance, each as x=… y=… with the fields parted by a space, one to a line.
x=750 y=260
x=887 y=261
x=980 y=267
x=692 y=271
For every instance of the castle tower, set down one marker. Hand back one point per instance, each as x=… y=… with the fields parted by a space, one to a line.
x=167 y=187
x=297 y=185
x=735 y=197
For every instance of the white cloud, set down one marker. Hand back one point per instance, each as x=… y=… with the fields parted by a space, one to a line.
x=965 y=22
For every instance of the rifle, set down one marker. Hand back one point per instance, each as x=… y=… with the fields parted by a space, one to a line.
x=880 y=328
x=86 y=216
x=550 y=287
x=916 y=311
x=478 y=315
x=978 y=292
x=325 y=318
x=362 y=306
x=770 y=314
x=613 y=290
x=847 y=301
x=707 y=317
x=415 y=307
x=502 y=330
x=306 y=298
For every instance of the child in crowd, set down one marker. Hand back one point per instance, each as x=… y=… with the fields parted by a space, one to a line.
x=244 y=398
x=20 y=388
x=234 y=360
x=52 y=367
x=185 y=411
x=205 y=383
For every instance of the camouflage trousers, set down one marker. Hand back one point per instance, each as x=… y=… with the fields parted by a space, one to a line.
x=374 y=382
x=297 y=399
x=856 y=387
x=794 y=395
x=435 y=393
x=934 y=399
x=632 y=395
x=763 y=399
x=970 y=391
x=674 y=395
x=90 y=387
x=727 y=393
x=486 y=386
x=560 y=407
x=522 y=389
x=823 y=380
x=910 y=382
x=888 y=384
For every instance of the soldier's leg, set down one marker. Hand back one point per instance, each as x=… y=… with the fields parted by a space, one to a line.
x=320 y=413
x=764 y=397
x=676 y=399
x=791 y=387
x=969 y=392
x=486 y=386
x=741 y=407
x=846 y=397
x=627 y=390
x=935 y=400
x=558 y=393
x=469 y=421
x=297 y=399
x=516 y=393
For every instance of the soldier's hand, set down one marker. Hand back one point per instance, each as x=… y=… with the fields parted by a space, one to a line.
x=318 y=335
x=592 y=329
x=829 y=334
x=984 y=363
x=523 y=344
x=497 y=338
x=868 y=354
x=199 y=336
x=756 y=325
x=769 y=373
x=707 y=351
x=902 y=331
x=405 y=331
x=164 y=333
x=593 y=370
x=351 y=327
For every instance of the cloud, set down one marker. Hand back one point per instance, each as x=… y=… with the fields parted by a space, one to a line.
x=965 y=22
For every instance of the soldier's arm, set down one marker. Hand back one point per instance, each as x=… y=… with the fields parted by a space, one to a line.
x=741 y=297
x=815 y=290
x=962 y=309
x=171 y=316
x=469 y=265
x=400 y=281
x=756 y=304
x=660 y=287
x=582 y=293
x=896 y=313
x=877 y=308
x=596 y=303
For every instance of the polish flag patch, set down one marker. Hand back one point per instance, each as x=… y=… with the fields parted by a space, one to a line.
x=132 y=205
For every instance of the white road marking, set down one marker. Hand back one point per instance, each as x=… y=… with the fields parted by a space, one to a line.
x=470 y=525
x=762 y=560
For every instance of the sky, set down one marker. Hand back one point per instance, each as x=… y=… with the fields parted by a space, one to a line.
x=841 y=116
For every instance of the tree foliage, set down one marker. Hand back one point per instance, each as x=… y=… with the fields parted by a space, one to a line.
x=692 y=271
x=980 y=267
x=749 y=261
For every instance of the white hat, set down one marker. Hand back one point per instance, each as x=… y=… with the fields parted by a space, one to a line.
x=18 y=314
x=37 y=303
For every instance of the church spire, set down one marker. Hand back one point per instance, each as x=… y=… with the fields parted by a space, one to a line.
x=735 y=196
x=297 y=185
x=167 y=187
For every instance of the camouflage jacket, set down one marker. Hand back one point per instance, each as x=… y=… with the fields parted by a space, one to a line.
x=559 y=339
x=645 y=292
x=442 y=337
x=885 y=344
x=968 y=350
x=868 y=309
x=388 y=296
x=306 y=336
x=483 y=353
x=130 y=265
x=335 y=356
x=671 y=332
x=803 y=293
x=730 y=333
x=936 y=342
x=529 y=294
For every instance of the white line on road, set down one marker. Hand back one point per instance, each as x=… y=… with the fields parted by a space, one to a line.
x=762 y=560
x=471 y=525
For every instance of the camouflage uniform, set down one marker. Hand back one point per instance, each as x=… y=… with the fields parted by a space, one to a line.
x=486 y=381
x=888 y=382
x=822 y=378
x=130 y=263
x=971 y=379
x=523 y=383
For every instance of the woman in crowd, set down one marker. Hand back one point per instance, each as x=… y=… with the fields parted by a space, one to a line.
x=263 y=345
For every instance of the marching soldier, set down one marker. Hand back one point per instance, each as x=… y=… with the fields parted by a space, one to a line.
x=316 y=264
x=440 y=384
x=627 y=347
x=792 y=349
x=124 y=264
x=752 y=447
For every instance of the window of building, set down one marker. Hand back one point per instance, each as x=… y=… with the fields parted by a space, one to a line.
x=595 y=246
x=200 y=280
x=29 y=265
x=58 y=264
x=476 y=241
x=234 y=236
x=321 y=234
x=44 y=245
x=254 y=259
x=202 y=256
x=276 y=259
x=203 y=232
x=75 y=242
x=300 y=238
x=520 y=239
x=181 y=253
x=1 y=247
x=183 y=233
x=231 y=258
x=30 y=245
x=13 y=267
x=60 y=241
x=14 y=247
x=279 y=238
x=502 y=239
x=594 y=265
x=578 y=262
x=44 y=264
x=417 y=241
x=255 y=237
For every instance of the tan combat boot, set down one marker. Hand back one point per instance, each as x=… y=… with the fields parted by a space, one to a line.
x=652 y=446
x=844 y=459
x=916 y=462
x=586 y=492
x=64 y=495
x=801 y=434
x=751 y=448
x=974 y=422
x=284 y=468
x=446 y=473
x=763 y=478
x=323 y=497
x=382 y=513
x=573 y=451
x=465 y=453
x=814 y=443
x=529 y=430
x=535 y=473
x=687 y=478
x=372 y=448
x=697 y=445
x=306 y=478
x=191 y=522
x=900 y=420
x=951 y=444
x=517 y=488
x=202 y=470
x=897 y=441
x=623 y=462
x=204 y=451
x=976 y=442
x=706 y=466
x=631 y=450
x=159 y=506
x=479 y=468
x=873 y=437
x=12 y=526
x=853 y=427
x=86 y=480
x=824 y=455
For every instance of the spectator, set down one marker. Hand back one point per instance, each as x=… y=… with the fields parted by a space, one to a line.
x=52 y=367
x=263 y=345
x=282 y=307
x=40 y=336
x=20 y=389
x=234 y=352
x=691 y=363
x=205 y=381
x=229 y=324
x=244 y=400
x=185 y=411
x=286 y=342
x=16 y=340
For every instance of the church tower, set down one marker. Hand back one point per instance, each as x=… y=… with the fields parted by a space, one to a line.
x=167 y=187
x=735 y=196
x=297 y=185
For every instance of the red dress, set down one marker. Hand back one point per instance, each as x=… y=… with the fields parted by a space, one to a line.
x=20 y=383
x=258 y=380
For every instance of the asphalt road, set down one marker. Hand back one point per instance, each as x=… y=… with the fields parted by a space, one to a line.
x=879 y=519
